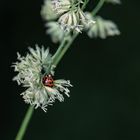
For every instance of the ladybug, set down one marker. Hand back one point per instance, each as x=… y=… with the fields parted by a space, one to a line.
x=47 y=80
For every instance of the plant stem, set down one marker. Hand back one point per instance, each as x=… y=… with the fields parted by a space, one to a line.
x=25 y=123
x=62 y=49
x=98 y=7
x=58 y=52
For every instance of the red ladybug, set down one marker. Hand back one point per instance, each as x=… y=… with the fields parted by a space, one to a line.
x=48 y=81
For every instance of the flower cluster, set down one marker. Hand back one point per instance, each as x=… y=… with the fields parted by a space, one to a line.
x=61 y=6
x=69 y=13
x=35 y=73
x=103 y=28
x=47 y=11
x=56 y=33
x=72 y=16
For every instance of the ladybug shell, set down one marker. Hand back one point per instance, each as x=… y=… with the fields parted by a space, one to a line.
x=48 y=81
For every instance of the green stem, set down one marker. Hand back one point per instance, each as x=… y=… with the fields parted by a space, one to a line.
x=58 y=52
x=62 y=49
x=25 y=123
x=98 y=7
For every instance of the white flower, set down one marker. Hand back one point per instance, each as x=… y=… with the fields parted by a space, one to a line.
x=35 y=73
x=47 y=11
x=84 y=19
x=114 y=1
x=91 y=20
x=71 y=17
x=61 y=6
x=74 y=20
x=56 y=32
x=69 y=21
x=102 y=28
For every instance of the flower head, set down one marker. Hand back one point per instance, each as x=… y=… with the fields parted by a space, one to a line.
x=70 y=22
x=103 y=28
x=70 y=15
x=35 y=73
x=47 y=11
x=74 y=20
x=55 y=31
x=61 y=6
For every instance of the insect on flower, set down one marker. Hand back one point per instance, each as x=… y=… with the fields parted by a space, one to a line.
x=47 y=80
x=35 y=73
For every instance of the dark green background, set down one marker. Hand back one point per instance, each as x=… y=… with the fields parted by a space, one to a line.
x=105 y=99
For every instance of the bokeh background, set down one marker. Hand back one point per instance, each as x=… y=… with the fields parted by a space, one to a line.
x=105 y=99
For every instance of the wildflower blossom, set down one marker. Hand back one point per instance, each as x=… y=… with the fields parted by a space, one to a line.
x=71 y=16
x=35 y=73
x=55 y=31
x=102 y=28
x=69 y=21
x=74 y=21
x=47 y=11
x=61 y=6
